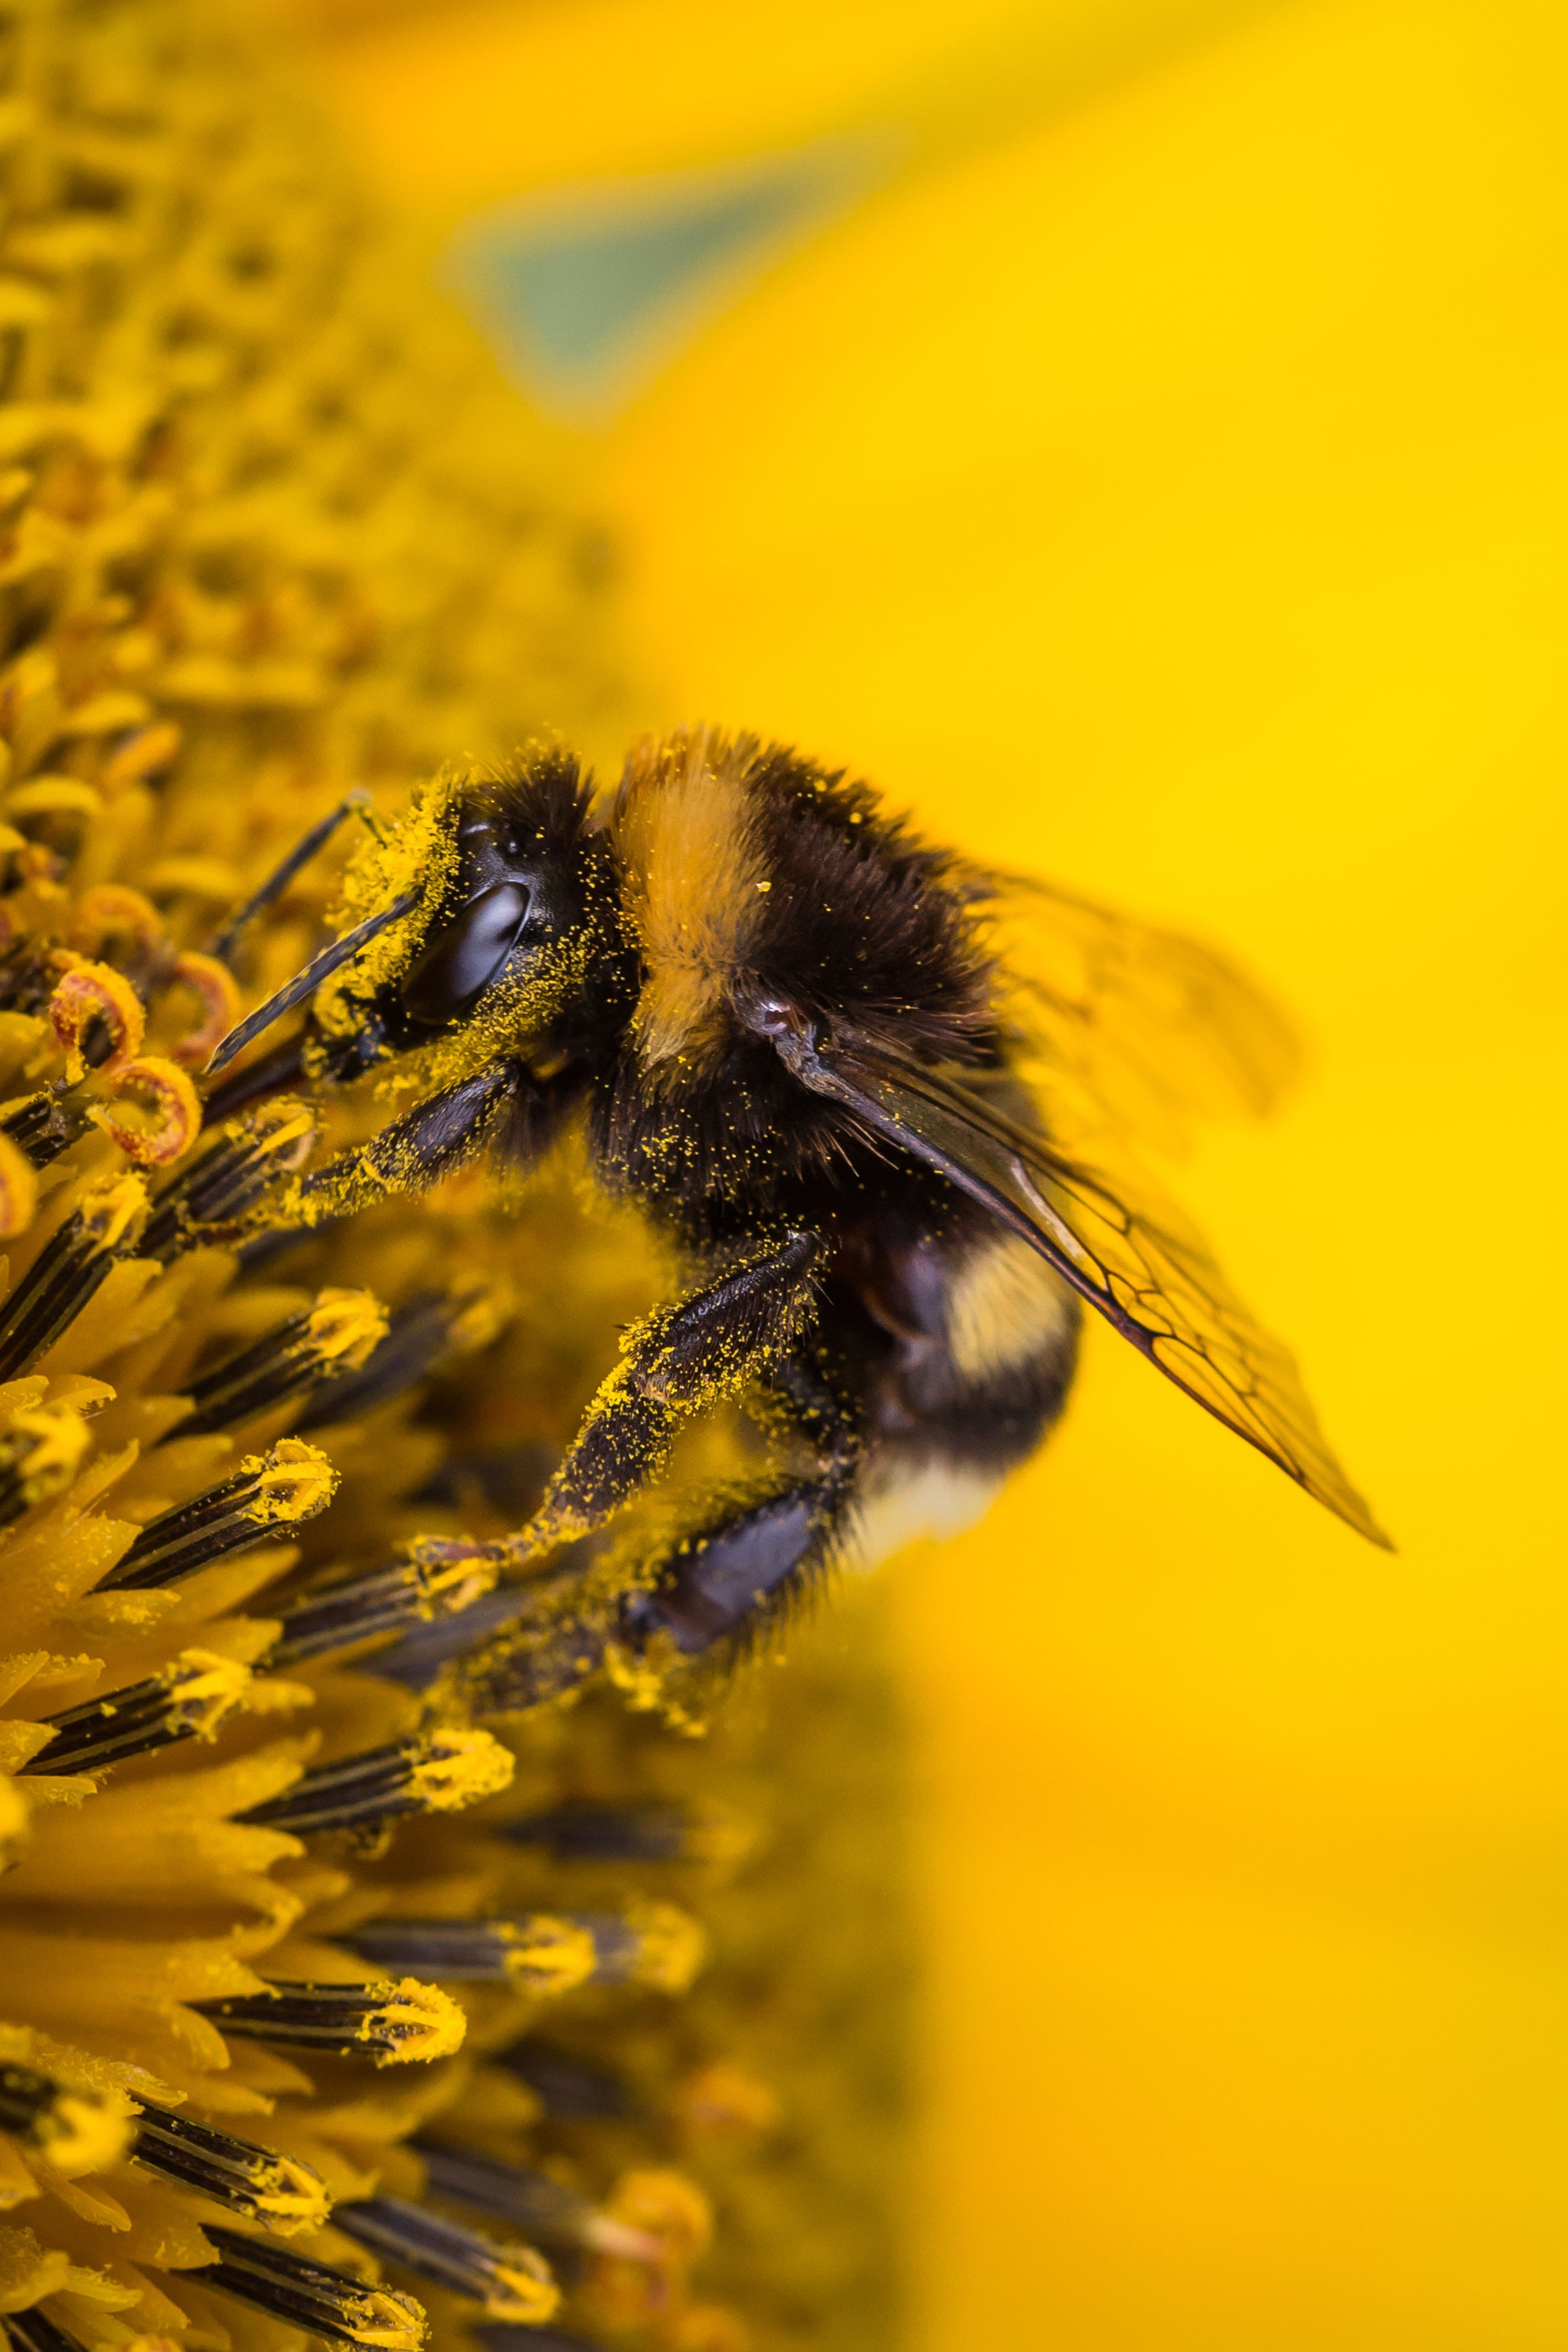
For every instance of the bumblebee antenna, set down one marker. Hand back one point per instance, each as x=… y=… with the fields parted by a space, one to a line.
x=357 y=803
x=305 y=984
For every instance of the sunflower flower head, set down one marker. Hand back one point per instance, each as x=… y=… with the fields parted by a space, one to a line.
x=336 y=2002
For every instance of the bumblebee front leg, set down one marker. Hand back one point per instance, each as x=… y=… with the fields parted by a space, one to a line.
x=677 y=1362
x=430 y=1143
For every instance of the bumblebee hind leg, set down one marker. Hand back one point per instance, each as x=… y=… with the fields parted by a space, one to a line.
x=724 y=1580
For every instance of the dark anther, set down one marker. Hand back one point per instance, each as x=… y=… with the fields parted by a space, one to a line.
x=395 y=2024
x=45 y=1124
x=530 y=2201
x=340 y=1329
x=537 y=1952
x=187 y=1701
x=68 y=1271
x=35 y=2331
x=277 y=2189
x=309 y=2296
x=211 y=1200
x=437 y=1580
x=568 y=2088
x=511 y=2281
x=607 y=1832
x=270 y=1496
x=652 y=1943
x=436 y=1772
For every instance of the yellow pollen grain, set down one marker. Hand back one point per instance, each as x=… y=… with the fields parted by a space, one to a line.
x=297 y=1481
x=459 y=1768
x=671 y=1947
x=206 y=1690
x=385 y=2321
x=420 y=2020
x=550 y=1956
x=82 y=2132
x=343 y=1326
x=524 y=2290
x=114 y=1212
x=292 y=2197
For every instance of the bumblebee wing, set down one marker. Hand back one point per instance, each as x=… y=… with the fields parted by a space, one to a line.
x=1126 y=1028
x=1134 y=1259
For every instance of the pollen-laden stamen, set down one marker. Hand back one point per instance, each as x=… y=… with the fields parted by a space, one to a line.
x=425 y=1333
x=395 y=2024
x=511 y=2281
x=40 y=1127
x=311 y=2296
x=269 y=1495
x=437 y=1580
x=653 y=1944
x=650 y=1944
x=530 y=2201
x=76 y=2131
x=212 y=1200
x=337 y=1332
x=279 y=2190
x=188 y=1700
x=69 y=1269
x=40 y=1454
x=538 y=1952
x=434 y=1772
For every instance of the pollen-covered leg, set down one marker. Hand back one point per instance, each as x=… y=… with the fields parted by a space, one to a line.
x=723 y=1580
x=719 y=1582
x=416 y=1150
x=677 y=1362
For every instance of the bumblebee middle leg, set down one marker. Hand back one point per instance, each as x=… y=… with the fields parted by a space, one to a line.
x=674 y=1362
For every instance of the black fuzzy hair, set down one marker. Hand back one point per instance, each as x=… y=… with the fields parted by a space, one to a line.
x=541 y=792
x=863 y=918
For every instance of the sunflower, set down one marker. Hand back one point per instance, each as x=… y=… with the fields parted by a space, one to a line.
x=327 y=2011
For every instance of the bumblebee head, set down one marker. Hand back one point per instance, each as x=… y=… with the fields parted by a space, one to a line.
x=752 y=879
x=511 y=936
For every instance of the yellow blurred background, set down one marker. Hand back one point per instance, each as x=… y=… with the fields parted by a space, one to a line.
x=1145 y=457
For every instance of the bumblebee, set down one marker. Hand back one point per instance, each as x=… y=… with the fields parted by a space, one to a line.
x=892 y=1151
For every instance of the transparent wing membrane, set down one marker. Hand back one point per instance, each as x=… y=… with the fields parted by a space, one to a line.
x=1128 y=1029
x=1132 y=1256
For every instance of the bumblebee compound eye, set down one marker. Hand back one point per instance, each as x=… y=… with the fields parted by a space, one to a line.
x=458 y=962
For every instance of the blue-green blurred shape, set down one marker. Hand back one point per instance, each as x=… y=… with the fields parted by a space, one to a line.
x=587 y=292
